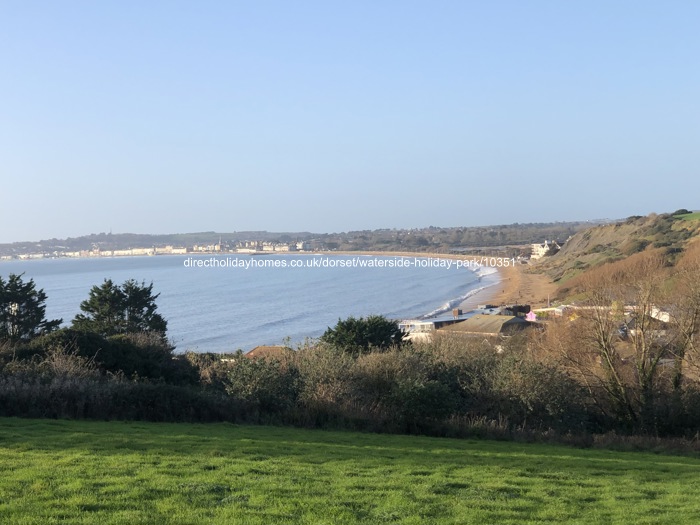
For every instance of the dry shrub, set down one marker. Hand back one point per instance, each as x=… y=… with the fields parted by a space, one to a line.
x=62 y=361
x=326 y=376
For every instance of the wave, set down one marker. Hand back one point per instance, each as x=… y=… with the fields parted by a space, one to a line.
x=486 y=270
x=452 y=303
x=282 y=321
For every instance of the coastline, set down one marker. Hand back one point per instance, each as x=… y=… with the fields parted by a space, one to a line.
x=512 y=284
x=515 y=284
x=500 y=286
x=505 y=285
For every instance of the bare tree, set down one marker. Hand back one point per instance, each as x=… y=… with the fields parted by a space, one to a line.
x=685 y=316
x=616 y=342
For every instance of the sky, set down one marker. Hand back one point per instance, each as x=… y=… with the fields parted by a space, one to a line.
x=168 y=117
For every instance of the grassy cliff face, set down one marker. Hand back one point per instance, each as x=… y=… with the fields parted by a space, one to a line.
x=670 y=234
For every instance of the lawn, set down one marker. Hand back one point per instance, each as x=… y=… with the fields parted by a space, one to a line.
x=99 y=472
x=689 y=216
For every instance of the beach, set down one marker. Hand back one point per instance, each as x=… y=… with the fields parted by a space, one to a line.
x=519 y=285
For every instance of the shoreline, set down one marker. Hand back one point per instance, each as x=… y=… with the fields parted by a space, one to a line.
x=517 y=284
x=498 y=292
x=512 y=284
x=505 y=291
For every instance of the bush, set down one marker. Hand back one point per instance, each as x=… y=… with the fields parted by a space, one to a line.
x=326 y=375
x=407 y=391
x=147 y=355
x=144 y=355
x=266 y=385
x=23 y=395
x=212 y=368
x=362 y=335
x=533 y=393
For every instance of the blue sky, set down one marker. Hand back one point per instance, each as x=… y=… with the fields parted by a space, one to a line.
x=161 y=117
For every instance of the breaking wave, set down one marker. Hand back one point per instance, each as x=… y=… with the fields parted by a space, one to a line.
x=453 y=303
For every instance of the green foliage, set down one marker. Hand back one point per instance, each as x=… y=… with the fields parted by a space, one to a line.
x=88 y=344
x=120 y=309
x=140 y=356
x=68 y=390
x=23 y=310
x=409 y=391
x=422 y=401
x=362 y=335
x=146 y=355
x=532 y=392
x=636 y=246
x=418 y=390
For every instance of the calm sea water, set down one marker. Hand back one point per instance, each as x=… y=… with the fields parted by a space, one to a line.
x=221 y=309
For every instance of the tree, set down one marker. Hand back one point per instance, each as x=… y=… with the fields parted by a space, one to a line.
x=22 y=310
x=618 y=342
x=121 y=309
x=360 y=335
x=685 y=314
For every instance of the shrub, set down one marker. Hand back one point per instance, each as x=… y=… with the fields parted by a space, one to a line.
x=144 y=355
x=23 y=395
x=534 y=393
x=267 y=385
x=326 y=377
x=147 y=355
x=362 y=335
x=636 y=246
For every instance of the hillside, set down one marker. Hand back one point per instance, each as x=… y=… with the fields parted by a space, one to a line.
x=669 y=232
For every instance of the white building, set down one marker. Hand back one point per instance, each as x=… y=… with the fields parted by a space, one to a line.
x=548 y=248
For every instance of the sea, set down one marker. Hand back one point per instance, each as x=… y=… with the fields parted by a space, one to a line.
x=224 y=303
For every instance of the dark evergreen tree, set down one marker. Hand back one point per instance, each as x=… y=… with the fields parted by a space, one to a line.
x=23 y=310
x=362 y=335
x=121 y=309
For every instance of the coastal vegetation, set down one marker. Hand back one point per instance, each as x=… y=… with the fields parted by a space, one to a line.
x=364 y=335
x=687 y=215
x=121 y=309
x=131 y=472
x=622 y=365
x=22 y=310
x=669 y=233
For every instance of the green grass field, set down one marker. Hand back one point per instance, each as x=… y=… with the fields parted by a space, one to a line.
x=689 y=216
x=97 y=472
